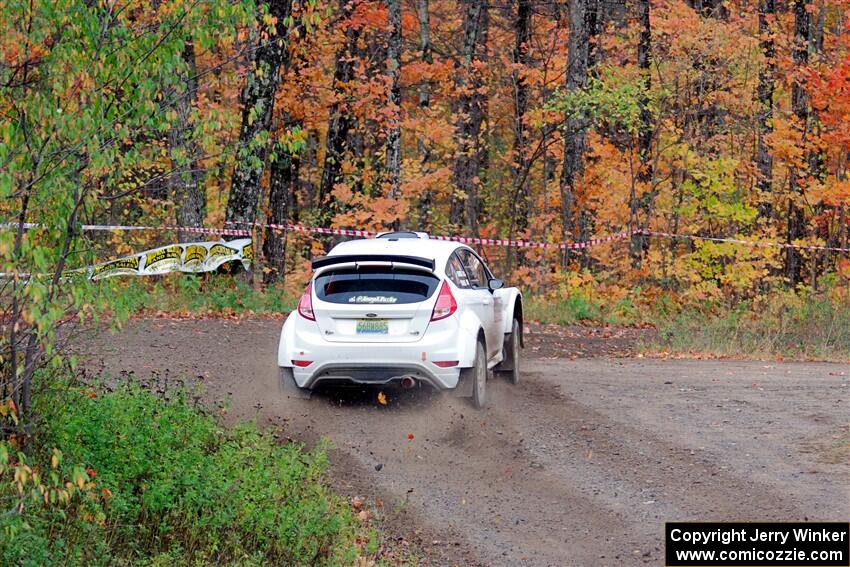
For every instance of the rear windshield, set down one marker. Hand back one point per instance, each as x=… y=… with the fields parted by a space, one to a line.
x=375 y=285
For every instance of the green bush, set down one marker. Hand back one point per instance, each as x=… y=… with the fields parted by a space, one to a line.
x=49 y=517
x=166 y=484
x=569 y=310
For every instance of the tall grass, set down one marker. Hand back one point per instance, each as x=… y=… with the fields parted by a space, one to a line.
x=189 y=294
x=783 y=324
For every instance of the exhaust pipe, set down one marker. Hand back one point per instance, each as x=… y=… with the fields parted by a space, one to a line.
x=407 y=382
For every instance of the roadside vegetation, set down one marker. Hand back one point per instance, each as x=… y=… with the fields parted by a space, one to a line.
x=186 y=295
x=784 y=325
x=804 y=324
x=123 y=476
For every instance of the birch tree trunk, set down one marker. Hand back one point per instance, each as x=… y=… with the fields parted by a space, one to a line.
x=767 y=74
x=257 y=104
x=583 y=31
x=643 y=204
x=426 y=200
x=340 y=121
x=394 y=99
x=283 y=179
x=467 y=168
x=522 y=35
x=185 y=182
x=800 y=107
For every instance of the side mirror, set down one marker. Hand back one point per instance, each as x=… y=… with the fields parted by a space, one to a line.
x=495 y=284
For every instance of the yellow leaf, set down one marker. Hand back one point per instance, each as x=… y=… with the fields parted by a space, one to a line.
x=382 y=398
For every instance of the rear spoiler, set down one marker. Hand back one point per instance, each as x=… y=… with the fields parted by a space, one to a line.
x=323 y=261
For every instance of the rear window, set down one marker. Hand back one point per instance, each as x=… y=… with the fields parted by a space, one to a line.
x=375 y=286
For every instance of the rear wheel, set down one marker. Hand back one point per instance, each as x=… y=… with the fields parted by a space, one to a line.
x=477 y=375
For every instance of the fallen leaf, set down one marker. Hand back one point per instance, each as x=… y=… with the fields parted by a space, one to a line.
x=382 y=398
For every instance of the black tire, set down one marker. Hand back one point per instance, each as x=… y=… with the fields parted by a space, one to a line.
x=289 y=387
x=509 y=367
x=477 y=375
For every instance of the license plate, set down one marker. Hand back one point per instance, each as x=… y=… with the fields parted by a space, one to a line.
x=373 y=327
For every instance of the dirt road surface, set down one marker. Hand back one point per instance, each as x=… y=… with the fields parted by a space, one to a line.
x=580 y=464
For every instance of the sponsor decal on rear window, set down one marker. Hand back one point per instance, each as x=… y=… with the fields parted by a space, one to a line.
x=372 y=299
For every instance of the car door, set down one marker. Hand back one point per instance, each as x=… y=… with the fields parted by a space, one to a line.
x=498 y=305
x=480 y=299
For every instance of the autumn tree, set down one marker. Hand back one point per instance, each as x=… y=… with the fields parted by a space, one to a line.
x=288 y=141
x=88 y=91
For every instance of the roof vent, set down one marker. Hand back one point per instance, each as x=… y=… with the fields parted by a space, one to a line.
x=402 y=234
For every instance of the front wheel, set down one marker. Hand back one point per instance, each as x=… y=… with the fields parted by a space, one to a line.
x=477 y=375
x=510 y=365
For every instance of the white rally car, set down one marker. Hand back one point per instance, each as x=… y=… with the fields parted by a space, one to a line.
x=402 y=308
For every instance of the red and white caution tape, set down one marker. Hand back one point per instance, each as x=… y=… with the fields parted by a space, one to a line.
x=549 y=245
x=118 y=227
x=745 y=242
x=314 y=229
x=531 y=244
x=461 y=239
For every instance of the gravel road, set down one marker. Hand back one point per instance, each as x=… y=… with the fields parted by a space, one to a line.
x=580 y=464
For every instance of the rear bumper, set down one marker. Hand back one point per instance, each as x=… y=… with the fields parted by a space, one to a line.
x=375 y=363
x=372 y=374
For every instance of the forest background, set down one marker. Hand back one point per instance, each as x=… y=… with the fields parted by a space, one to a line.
x=546 y=121
x=540 y=120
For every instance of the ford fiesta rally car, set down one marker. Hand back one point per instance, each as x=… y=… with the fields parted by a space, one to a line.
x=406 y=309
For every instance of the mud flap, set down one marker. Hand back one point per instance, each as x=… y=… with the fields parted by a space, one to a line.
x=507 y=364
x=464 y=385
x=289 y=388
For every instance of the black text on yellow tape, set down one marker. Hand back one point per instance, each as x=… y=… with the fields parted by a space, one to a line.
x=154 y=257
x=121 y=266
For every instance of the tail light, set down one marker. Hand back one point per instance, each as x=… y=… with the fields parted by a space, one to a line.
x=305 y=304
x=446 y=304
x=302 y=363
